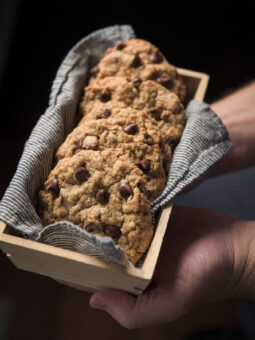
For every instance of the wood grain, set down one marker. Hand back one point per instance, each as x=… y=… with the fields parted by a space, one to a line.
x=85 y=270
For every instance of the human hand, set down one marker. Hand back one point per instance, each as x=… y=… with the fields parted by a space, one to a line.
x=203 y=259
x=237 y=113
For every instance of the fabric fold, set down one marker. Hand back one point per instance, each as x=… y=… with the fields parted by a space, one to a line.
x=204 y=141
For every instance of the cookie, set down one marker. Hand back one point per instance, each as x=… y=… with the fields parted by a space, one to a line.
x=102 y=193
x=130 y=136
x=115 y=162
x=139 y=58
x=163 y=106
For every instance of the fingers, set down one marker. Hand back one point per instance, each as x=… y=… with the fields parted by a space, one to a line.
x=118 y=304
x=152 y=307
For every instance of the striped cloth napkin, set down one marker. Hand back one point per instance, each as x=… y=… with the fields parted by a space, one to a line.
x=204 y=141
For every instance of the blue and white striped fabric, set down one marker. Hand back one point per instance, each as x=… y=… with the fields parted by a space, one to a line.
x=204 y=141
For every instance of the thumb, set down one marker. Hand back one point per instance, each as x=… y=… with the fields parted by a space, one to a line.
x=154 y=306
x=118 y=304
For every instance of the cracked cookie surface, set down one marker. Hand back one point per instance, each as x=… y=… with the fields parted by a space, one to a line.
x=163 y=106
x=101 y=192
x=142 y=147
x=139 y=58
x=114 y=164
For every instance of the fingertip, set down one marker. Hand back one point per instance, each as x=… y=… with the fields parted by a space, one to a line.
x=101 y=298
x=96 y=302
x=118 y=304
x=111 y=297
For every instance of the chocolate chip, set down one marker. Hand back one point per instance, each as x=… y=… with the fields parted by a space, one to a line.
x=77 y=151
x=105 y=114
x=120 y=46
x=156 y=113
x=125 y=190
x=131 y=129
x=149 y=140
x=144 y=165
x=91 y=227
x=82 y=174
x=164 y=81
x=112 y=231
x=141 y=187
x=105 y=96
x=102 y=196
x=112 y=140
x=156 y=57
x=164 y=115
x=94 y=71
x=136 y=62
x=53 y=186
x=137 y=80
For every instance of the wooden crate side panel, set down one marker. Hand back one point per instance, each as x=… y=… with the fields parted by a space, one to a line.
x=26 y=266
x=196 y=83
x=68 y=265
x=153 y=253
x=7 y=241
x=85 y=270
x=3 y=227
x=67 y=269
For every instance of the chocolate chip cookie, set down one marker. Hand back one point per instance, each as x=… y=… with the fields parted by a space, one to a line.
x=141 y=59
x=115 y=162
x=104 y=193
x=134 y=136
x=163 y=106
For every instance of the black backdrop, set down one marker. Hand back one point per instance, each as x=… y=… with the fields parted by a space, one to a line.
x=213 y=38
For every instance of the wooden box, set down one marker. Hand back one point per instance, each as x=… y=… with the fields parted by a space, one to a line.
x=85 y=270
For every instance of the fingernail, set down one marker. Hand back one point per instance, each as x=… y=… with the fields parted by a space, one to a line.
x=98 y=304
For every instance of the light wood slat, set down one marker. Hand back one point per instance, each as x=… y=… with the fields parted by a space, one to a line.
x=85 y=270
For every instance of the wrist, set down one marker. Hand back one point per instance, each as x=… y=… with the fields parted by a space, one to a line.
x=236 y=112
x=243 y=279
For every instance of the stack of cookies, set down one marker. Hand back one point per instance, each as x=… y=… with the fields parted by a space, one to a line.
x=115 y=162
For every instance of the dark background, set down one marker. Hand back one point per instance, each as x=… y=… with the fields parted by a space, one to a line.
x=217 y=39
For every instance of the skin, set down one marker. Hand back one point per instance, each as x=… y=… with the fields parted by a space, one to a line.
x=237 y=112
x=204 y=265
x=206 y=256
